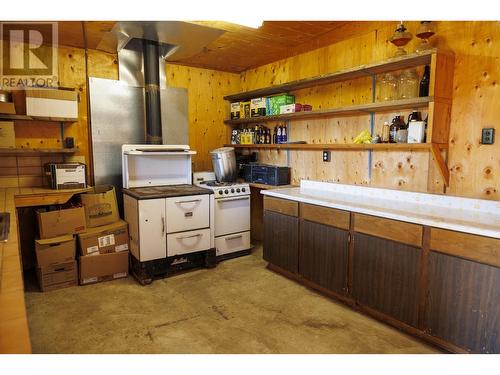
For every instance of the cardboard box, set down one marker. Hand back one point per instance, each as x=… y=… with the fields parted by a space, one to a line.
x=290 y=108
x=7 y=134
x=61 y=222
x=7 y=108
x=103 y=267
x=52 y=103
x=100 y=205
x=235 y=110
x=111 y=238
x=57 y=276
x=51 y=251
x=258 y=107
x=245 y=109
x=273 y=103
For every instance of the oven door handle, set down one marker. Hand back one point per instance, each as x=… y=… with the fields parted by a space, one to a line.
x=191 y=201
x=233 y=237
x=232 y=199
x=185 y=237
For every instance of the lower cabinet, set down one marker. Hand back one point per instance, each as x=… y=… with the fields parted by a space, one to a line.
x=385 y=277
x=323 y=255
x=463 y=303
x=281 y=240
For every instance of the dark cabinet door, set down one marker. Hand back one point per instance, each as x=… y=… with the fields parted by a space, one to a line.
x=281 y=240
x=385 y=276
x=323 y=255
x=463 y=304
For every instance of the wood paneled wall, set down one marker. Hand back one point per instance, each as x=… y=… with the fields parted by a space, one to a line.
x=72 y=72
x=475 y=168
x=207 y=108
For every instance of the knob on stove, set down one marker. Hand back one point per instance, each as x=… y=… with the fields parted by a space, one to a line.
x=232 y=190
x=238 y=190
x=243 y=190
x=226 y=191
x=220 y=192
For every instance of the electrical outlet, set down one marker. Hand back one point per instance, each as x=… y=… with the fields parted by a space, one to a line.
x=488 y=136
x=326 y=156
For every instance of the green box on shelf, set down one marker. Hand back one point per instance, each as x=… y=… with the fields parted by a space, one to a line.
x=273 y=103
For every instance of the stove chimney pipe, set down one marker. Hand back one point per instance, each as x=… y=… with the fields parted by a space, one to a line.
x=152 y=90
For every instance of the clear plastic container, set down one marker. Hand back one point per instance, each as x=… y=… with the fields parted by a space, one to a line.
x=408 y=84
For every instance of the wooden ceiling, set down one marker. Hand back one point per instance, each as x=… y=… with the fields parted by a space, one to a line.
x=239 y=48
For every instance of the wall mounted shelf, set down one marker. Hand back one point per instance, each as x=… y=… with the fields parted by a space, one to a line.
x=396 y=63
x=7 y=117
x=353 y=110
x=36 y=151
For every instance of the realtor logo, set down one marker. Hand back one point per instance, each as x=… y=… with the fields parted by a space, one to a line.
x=29 y=55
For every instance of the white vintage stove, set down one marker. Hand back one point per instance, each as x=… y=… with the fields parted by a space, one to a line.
x=171 y=221
x=232 y=215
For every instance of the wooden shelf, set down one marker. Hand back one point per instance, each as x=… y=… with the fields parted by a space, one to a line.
x=396 y=63
x=7 y=117
x=345 y=146
x=36 y=151
x=361 y=109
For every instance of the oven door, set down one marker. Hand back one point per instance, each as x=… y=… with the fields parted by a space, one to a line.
x=232 y=215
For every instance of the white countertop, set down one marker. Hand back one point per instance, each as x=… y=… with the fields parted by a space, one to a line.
x=475 y=216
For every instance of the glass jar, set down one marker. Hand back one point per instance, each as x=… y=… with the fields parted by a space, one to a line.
x=388 y=87
x=408 y=84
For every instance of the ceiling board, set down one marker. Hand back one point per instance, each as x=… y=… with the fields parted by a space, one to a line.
x=239 y=48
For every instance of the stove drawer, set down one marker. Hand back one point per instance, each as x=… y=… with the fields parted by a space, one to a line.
x=188 y=242
x=232 y=243
x=187 y=213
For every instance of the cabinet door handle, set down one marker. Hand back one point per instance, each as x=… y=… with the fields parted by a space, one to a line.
x=233 y=237
x=191 y=201
x=162 y=226
x=185 y=237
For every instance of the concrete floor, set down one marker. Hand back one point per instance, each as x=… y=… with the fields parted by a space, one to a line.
x=239 y=307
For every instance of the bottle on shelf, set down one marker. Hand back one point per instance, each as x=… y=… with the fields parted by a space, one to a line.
x=278 y=137
x=414 y=116
x=256 y=134
x=408 y=84
x=284 y=138
x=268 y=136
x=424 y=83
x=385 y=133
x=393 y=129
x=275 y=135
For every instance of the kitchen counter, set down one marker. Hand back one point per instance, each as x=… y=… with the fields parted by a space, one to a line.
x=14 y=332
x=474 y=216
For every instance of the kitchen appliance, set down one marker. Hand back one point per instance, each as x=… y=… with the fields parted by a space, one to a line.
x=171 y=221
x=266 y=174
x=416 y=131
x=232 y=215
x=224 y=164
x=62 y=176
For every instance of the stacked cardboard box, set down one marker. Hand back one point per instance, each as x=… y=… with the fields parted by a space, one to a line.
x=56 y=246
x=103 y=247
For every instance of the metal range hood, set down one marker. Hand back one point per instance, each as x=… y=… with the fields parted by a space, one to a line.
x=143 y=48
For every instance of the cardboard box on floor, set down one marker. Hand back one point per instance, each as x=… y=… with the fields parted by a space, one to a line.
x=57 y=276
x=56 y=250
x=103 y=267
x=111 y=238
x=61 y=222
x=100 y=205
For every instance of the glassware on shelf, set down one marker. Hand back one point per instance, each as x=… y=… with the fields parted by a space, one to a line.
x=400 y=38
x=408 y=84
x=425 y=30
x=388 y=87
